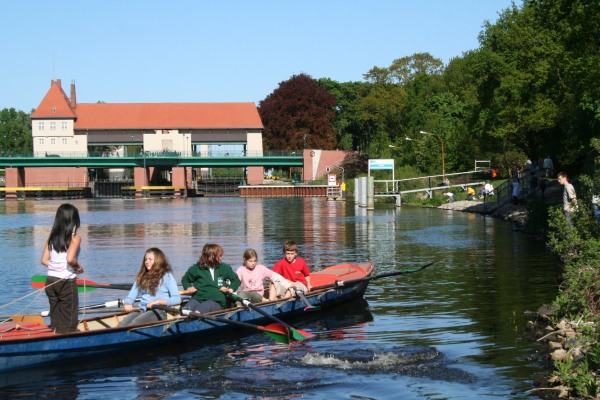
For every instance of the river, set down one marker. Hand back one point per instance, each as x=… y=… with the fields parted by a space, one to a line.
x=452 y=331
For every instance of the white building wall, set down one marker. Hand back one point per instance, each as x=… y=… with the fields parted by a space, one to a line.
x=57 y=137
x=254 y=144
x=167 y=140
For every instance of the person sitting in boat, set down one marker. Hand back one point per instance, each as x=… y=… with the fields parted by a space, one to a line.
x=209 y=281
x=154 y=284
x=60 y=256
x=252 y=277
x=292 y=268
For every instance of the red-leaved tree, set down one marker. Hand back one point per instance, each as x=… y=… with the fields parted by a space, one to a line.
x=298 y=113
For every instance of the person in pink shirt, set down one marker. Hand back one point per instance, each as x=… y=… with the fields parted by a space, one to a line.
x=252 y=275
x=292 y=268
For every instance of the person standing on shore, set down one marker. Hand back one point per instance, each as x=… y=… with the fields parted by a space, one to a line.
x=569 y=197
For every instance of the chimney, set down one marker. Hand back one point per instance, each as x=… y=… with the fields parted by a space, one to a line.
x=58 y=83
x=73 y=97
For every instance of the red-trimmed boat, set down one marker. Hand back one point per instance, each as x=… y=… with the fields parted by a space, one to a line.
x=28 y=342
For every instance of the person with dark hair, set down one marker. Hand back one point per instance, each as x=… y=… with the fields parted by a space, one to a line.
x=154 y=284
x=60 y=256
x=209 y=281
x=569 y=196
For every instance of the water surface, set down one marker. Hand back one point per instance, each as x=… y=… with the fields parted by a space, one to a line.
x=452 y=331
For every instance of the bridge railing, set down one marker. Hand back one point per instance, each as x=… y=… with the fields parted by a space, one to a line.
x=150 y=154
x=428 y=183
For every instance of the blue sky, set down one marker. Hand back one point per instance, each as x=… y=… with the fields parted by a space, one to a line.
x=130 y=51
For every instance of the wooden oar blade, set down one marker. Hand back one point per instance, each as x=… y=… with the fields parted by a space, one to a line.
x=301 y=335
x=277 y=332
x=38 y=281
x=83 y=285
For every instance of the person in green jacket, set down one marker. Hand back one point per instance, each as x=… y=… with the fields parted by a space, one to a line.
x=209 y=281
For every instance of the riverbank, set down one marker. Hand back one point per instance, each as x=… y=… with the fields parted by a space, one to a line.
x=571 y=343
x=509 y=212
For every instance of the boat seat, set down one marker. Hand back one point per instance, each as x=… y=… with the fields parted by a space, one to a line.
x=28 y=318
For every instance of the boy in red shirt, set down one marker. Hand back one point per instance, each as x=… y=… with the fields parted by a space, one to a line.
x=292 y=268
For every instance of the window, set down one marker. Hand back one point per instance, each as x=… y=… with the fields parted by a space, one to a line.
x=41 y=141
x=64 y=141
x=52 y=126
x=64 y=126
x=52 y=141
x=40 y=126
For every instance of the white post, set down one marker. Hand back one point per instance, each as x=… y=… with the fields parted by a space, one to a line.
x=363 y=191
x=371 y=193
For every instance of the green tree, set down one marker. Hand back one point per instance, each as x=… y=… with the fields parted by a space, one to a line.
x=298 y=112
x=348 y=125
x=518 y=70
x=15 y=131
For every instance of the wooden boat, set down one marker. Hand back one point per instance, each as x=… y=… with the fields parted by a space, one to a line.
x=28 y=342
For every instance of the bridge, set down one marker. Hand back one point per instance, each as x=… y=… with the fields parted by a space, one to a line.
x=164 y=159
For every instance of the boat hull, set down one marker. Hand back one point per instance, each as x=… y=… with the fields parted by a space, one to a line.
x=31 y=345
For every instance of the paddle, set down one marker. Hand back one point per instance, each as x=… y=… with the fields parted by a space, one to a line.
x=301 y=296
x=113 y=305
x=297 y=334
x=277 y=332
x=368 y=278
x=39 y=282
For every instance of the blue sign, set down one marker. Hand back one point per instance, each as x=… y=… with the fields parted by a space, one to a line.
x=381 y=164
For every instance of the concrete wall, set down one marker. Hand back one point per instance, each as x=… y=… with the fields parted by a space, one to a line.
x=47 y=176
x=316 y=162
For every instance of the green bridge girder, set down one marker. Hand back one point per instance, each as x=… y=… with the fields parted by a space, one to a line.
x=154 y=161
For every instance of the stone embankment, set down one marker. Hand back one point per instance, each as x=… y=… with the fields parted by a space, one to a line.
x=508 y=212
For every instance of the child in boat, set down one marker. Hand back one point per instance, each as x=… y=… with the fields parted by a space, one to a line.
x=252 y=277
x=209 y=281
x=154 y=284
x=292 y=268
x=60 y=256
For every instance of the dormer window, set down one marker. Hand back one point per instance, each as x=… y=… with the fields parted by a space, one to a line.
x=54 y=110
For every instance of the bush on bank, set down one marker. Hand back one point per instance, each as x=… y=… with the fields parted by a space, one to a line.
x=578 y=300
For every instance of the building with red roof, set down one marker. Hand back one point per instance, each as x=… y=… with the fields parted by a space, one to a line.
x=60 y=125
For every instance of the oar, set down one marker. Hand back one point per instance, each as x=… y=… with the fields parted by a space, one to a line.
x=301 y=296
x=297 y=334
x=113 y=305
x=39 y=282
x=368 y=278
x=277 y=332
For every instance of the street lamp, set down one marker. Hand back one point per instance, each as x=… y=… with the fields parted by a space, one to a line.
x=442 y=143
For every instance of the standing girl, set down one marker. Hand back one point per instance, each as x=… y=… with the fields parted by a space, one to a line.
x=60 y=256
x=209 y=280
x=154 y=284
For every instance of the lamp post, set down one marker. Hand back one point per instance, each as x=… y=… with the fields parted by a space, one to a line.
x=442 y=143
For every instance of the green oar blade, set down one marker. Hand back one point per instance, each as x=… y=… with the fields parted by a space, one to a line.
x=301 y=335
x=277 y=332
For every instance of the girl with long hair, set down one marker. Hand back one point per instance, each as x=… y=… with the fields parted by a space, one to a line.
x=60 y=256
x=154 y=284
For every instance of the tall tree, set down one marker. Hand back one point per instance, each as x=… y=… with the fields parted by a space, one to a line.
x=299 y=112
x=348 y=125
x=519 y=70
x=15 y=131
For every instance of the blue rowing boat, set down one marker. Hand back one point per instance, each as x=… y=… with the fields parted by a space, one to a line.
x=27 y=342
